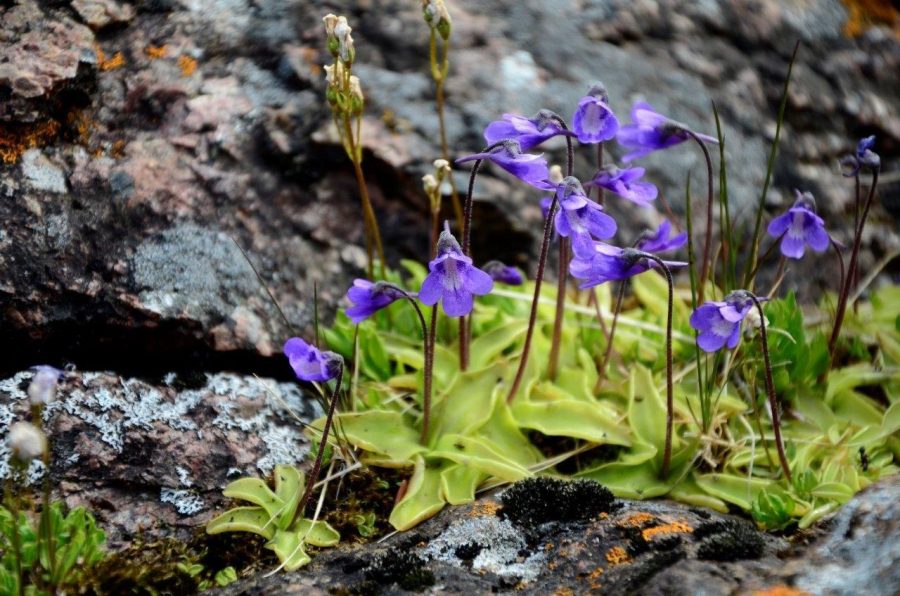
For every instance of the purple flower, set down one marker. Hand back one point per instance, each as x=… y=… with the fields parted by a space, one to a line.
x=719 y=322
x=529 y=132
x=800 y=226
x=611 y=263
x=368 y=298
x=453 y=279
x=528 y=168
x=42 y=389
x=864 y=145
x=593 y=120
x=580 y=218
x=503 y=273
x=310 y=363
x=651 y=131
x=626 y=184
x=864 y=156
x=661 y=240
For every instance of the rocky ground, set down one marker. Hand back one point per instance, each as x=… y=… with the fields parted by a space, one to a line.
x=140 y=141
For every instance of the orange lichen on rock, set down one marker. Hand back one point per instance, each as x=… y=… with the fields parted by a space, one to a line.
x=594 y=578
x=79 y=122
x=563 y=592
x=155 y=52
x=117 y=61
x=781 y=591
x=636 y=520
x=16 y=139
x=617 y=556
x=187 y=65
x=485 y=508
x=672 y=528
x=863 y=14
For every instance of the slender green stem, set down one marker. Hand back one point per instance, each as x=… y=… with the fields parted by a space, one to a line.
x=851 y=270
x=562 y=277
x=532 y=318
x=620 y=295
x=707 y=242
x=770 y=168
x=439 y=74
x=429 y=369
x=840 y=256
x=13 y=503
x=368 y=211
x=670 y=391
x=323 y=443
x=770 y=389
x=427 y=346
x=562 y=270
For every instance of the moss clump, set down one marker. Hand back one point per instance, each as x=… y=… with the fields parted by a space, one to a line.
x=536 y=501
x=407 y=570
x=729 y=540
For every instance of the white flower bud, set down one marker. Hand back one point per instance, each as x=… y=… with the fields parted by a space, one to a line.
x=26 y=441
x=751 y=321
x=357 y=99
x=556 y=175
x=437 y=16
x=442 y=165
x=331 y=22
x=42 y=389
x=430 y=183
x=342 y=31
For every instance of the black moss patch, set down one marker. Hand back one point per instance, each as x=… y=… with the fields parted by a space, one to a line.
x=539 y=500
x=407 y=570
x=468 y=551
x=646 y=570
x=729 y=540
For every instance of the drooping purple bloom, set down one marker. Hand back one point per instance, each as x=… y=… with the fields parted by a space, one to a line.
x=651 y=131
x=580 y=218
x=529 y=168
x=611 y=263
x=503 y=273
x=864 y=157
x=719 y=322
x=593 y=120
x=661 y=240
x=800 y=226
x=368 y=298
x=529 y=132
x=310 y=363
x=627 y=184
x=453 y=279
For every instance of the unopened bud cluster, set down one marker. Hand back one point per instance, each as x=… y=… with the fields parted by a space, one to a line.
x=343 y=93
x=432 y=183
x=437 y=17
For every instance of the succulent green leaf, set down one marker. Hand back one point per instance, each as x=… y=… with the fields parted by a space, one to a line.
x=484 y=350
x=467 y=403
x=288 y=547
x=570 y=418
x=834 y=491
x=382 y=432
x=289 y=487
x=479 y=454
x=630 y=481
x=738 y=490
x=254 y=490
x=423 y=498
x=458 y=483
x=317 y=533
x=243 y=519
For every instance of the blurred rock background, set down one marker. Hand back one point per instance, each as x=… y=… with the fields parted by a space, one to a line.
x=140 y=140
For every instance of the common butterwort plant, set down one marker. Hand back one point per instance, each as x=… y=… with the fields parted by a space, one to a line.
x=474 y=370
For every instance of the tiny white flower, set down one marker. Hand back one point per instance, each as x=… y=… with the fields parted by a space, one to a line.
x=42 y=389
x=26 y=441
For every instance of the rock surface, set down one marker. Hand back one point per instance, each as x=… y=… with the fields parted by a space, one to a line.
x=151 y=456
x=181 y=125
x=646 y=547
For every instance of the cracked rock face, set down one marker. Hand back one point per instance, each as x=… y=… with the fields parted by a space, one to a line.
x=141 y=454
x=181 y=122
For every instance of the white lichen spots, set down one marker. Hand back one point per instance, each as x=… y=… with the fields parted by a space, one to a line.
x=71 y=460
x=283 y=445
x=234 y=472
x=185 y=501
x=184 y=476
x=500 y=542
x=169 y=378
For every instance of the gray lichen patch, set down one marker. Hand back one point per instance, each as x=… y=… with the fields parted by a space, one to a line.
x=157 y=449
x=499 y=544
x=191 y=271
